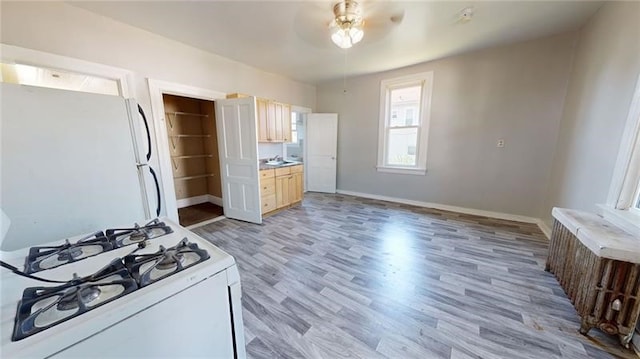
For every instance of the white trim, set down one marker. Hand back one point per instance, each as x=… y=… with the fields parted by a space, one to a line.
x=304 y=111
x=156 y=89
x=215 y=200
x=426 y=79
x=625 y=219
x=208 y=221
x=401 y=170
x=190 y=201
x=446 y=207
x=544 y=228
x=624 y=182
x=19 y=55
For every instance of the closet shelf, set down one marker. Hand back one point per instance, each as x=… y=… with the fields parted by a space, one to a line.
x=190 y=136
x=192 y=156
x=191 y=114
x=193 y=177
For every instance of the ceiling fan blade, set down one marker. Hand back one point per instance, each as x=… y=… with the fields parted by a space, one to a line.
x=380 y=18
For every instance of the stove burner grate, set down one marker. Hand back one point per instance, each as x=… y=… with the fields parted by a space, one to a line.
x=149 y=268
x=121 y=237
x=44 y=307
x=47 y=257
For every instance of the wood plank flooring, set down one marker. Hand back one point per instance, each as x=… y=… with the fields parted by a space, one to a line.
x=347 y=277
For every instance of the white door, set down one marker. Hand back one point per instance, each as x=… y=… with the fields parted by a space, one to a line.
x=322 y=148
x=238 y=147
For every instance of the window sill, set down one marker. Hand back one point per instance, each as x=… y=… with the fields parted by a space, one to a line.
x=624 y=219
x=403 y=170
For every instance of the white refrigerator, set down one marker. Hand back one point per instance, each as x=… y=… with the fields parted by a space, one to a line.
x=72 y=162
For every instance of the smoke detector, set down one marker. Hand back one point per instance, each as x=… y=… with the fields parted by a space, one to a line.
x=465 y=14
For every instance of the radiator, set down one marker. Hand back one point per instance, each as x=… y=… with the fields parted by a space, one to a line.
x=604 y=291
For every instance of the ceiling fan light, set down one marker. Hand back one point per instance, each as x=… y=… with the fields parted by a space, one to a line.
x=346 y=27
x=356 y=34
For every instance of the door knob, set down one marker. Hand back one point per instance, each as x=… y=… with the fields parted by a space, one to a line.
x=333 y=158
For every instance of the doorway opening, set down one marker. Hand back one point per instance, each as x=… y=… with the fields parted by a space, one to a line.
x=195 y=164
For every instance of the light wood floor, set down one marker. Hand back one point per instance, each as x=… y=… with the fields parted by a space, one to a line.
x=345 y=277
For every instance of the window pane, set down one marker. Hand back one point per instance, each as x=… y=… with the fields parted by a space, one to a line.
x=401 y=149
x=44 y=77
x=405 y=106
x=638 y=195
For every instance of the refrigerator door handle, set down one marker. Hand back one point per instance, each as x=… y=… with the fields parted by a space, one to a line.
x=146 y=126
x=155 y=179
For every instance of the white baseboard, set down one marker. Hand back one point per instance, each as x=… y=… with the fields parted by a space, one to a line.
x=215 y=200
x=191 y=201
x=544 y=228
x=446 y=207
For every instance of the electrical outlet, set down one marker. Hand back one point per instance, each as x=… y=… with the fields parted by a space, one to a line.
x=500 y=143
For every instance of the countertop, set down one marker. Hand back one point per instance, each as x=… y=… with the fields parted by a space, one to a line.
x=264 y=166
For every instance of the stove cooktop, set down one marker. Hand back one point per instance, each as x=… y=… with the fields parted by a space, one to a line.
x=74 y=329
x=44 y=307
x=47 y=257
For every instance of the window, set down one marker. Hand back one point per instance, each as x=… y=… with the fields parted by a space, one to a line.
x=623 y=203
x=65 y=80
x=404 y=123
x=294 y=127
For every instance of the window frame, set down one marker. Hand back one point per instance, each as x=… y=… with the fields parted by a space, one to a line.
x=10 y=54
x=425 y=79
x=624 y=191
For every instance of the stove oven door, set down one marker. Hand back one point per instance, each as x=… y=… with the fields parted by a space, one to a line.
x=195 y=322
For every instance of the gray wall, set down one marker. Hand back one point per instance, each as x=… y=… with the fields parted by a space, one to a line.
x=513 y=92
x=605 y=70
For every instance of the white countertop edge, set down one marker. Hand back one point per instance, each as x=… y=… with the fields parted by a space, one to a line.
x=607 y=245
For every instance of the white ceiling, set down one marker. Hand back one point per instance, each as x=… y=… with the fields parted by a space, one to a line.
x=291 y=37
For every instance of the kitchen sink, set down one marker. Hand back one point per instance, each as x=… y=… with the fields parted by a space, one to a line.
x=282 y=163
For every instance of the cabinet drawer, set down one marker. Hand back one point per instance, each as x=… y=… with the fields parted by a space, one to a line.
x=267 y=174
x=296 y=169
x=283 y=171
x=267 y=186
x=268 y=203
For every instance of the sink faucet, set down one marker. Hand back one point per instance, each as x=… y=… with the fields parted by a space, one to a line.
x=276 y=158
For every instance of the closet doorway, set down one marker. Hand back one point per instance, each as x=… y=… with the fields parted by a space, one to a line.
x=193 y=150
x=187 y=141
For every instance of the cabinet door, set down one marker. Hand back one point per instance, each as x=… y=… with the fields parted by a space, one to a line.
x=286 y=123
x=282 y=191
x=272 y=135
x=296 y=187
x=279 y=136
x=263 y=126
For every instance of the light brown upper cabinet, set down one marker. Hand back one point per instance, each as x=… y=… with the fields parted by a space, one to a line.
x=274 y=121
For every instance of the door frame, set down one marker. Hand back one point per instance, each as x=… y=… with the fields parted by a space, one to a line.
x=335 y=157
x=303 y=111
x=158 y=88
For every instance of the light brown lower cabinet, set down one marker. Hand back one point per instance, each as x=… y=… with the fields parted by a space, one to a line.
x=281 y=187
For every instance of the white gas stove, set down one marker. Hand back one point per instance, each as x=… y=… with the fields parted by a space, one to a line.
x=177 y=295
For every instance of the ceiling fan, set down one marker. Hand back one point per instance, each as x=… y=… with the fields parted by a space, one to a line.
x=346 y=22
